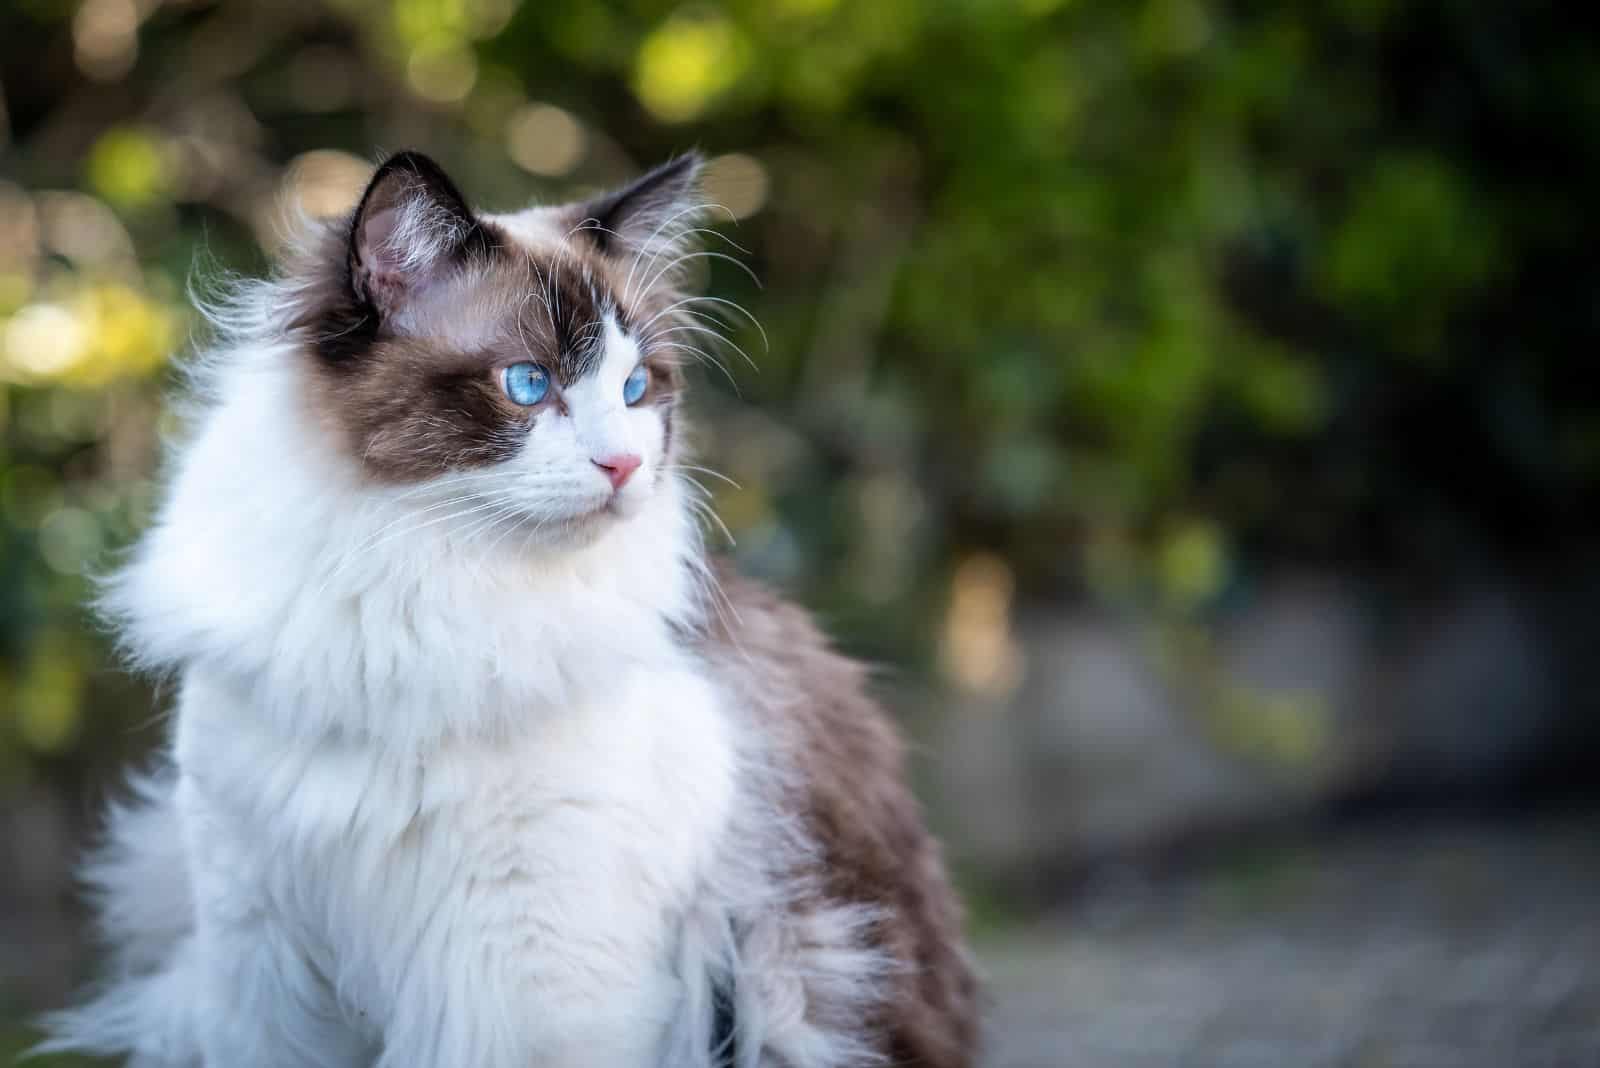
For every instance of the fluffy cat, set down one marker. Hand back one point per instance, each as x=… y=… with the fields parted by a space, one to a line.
x=477 y=760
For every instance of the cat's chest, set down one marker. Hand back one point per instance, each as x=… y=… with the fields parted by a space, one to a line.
x=615 y=804
x=625 y=794
x=533 y=873
x=549 y=874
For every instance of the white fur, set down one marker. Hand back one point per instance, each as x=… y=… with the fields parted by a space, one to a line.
x=422 y=233
x=498 y=904
x=389 y=612
x=449 y=791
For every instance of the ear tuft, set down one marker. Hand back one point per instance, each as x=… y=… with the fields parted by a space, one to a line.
x=652 y=212
x=411 y=225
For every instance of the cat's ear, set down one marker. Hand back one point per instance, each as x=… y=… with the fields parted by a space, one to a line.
x=411 y=226
x=654 y=211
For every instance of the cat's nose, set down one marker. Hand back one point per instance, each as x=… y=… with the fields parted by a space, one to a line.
x=619 y=468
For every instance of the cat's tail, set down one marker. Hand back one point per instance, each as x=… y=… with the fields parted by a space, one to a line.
x=138 y=882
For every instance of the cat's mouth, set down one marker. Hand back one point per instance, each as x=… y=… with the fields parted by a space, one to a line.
x=614 y=509
x=575 y=522
x=591 y=521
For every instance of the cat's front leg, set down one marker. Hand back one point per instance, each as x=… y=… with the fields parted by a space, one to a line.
x=260 y=1004
x=492 y=982
x=259 y=999
x=491 y=1020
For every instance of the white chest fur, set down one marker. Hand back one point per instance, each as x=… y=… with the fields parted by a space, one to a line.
x=489 y=904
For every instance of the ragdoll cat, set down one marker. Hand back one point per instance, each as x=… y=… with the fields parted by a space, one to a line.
x=474 y=763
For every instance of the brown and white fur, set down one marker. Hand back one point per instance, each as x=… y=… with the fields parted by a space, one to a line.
x=468 y=768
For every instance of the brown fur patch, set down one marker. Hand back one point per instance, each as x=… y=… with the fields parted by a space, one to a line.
x=875 y=848
x=414 y=403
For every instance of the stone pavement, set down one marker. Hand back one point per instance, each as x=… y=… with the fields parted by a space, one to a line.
x=1414 y=946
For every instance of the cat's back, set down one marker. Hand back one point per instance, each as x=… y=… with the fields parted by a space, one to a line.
x=845 y=760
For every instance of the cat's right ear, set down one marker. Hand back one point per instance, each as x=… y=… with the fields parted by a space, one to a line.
x=411 y=227
x=652 y=212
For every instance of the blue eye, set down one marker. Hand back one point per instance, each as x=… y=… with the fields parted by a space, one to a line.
x=525 y=383
x=634 y=387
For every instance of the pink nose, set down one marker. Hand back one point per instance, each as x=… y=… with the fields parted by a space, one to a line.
x=619 y=468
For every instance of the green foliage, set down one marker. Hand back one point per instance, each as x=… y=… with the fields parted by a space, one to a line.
x=1134 y=295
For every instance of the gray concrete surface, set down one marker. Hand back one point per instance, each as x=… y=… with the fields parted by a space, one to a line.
x=1418 y=946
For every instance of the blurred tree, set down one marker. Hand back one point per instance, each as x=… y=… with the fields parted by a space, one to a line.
x=1130 y=294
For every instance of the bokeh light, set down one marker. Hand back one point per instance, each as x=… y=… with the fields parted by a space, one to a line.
x=105 y=38
x=737 y=184
x=545 y=140
x=1188 y=408
x=689 y=61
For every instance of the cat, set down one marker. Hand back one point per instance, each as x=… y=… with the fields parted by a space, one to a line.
x=478 y=760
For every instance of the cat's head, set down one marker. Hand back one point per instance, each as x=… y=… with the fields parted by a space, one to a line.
x=528 y=362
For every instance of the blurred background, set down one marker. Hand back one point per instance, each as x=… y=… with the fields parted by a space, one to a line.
x=1192 y=405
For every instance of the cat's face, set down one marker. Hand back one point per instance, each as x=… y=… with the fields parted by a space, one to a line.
x=517 y=372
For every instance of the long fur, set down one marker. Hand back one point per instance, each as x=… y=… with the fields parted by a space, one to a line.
x=444 y=792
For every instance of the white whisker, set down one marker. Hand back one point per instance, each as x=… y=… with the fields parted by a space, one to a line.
x=691 y=328
x=702 y=356
x=627 y=285
x=704 y=471
x=703 y=254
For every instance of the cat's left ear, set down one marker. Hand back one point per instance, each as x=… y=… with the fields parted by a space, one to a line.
x=411 y=226
x=652 y=212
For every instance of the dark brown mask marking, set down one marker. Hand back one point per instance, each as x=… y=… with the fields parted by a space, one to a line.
x=381 y=295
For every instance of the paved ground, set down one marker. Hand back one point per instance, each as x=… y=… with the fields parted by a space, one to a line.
x=1422 y=946
x=1472 y=945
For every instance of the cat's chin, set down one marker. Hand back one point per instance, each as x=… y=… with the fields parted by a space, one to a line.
x=590 y=526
